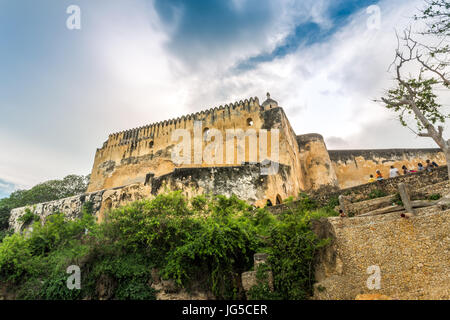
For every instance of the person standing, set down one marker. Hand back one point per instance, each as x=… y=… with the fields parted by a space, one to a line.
x=393 y=172
x=379 y=176
x=405 y=170
x=429 y=166
x=371 y=179
x=420 y=167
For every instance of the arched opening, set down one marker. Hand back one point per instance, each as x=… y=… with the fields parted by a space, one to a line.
x=150 y=144
x=269 y=203
x=279 y=200
x=250 y=122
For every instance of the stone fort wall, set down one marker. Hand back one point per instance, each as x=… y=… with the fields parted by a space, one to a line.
x=132 y=156
x=127 y=156
x=353 y=167
x=411 y=255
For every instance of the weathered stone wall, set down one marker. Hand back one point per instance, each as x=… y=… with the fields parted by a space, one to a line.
x=244 y=181
x=413 y=181
x=71 y=207
x=412 y=255
x=353 y=167
x=129 y=155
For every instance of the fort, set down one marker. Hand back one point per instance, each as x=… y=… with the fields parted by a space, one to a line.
x=139 y=163
x=145 y=155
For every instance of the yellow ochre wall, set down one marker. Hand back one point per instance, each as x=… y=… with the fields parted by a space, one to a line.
x=127 y=157
x=353 y=167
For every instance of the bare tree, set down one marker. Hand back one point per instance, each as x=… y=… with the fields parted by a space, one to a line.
x=414 y=95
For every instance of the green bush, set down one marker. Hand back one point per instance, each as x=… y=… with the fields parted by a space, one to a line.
x=262 y=290
x=292 y=253
x=397 y=200
x=28 y=217
x=16 y=258
x=434 y=196
x=207 y=241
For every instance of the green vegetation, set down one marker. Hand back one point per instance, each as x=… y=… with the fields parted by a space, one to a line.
x=28 y=217
x=397 y=200
x=376 y=193
x=47 y=191
x=262 y=290
x=205 y=242
x=434 y=196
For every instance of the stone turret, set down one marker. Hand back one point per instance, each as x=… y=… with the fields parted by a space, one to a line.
x=269 y=103
x=315 y=162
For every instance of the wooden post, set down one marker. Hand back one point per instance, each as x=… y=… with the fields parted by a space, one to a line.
x=405 y=198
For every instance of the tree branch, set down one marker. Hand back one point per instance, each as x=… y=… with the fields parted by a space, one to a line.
x=441 y=130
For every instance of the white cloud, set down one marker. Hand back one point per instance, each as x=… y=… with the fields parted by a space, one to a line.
x=325 y=88
x=329 y=87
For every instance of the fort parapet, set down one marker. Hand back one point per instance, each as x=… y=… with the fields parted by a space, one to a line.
x=133 y=156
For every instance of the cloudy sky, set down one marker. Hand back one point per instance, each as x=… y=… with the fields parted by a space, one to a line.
x=135 y=62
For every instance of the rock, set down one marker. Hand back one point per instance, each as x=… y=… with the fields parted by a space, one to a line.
x=250 y=280
x=260 y=258
x=105 y=287
x=169 y=286
x=155 y=275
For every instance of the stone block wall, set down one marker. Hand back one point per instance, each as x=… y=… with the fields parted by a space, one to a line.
x=353 y=167
x=71 y=207
x=315 y=162
x=413 y=181
x=412 y=256
x=245 y=181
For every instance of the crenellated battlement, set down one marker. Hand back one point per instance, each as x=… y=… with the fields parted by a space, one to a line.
x=153 y=130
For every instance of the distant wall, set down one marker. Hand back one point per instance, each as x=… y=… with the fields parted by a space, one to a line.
x=353 y=167
x=413 y=181
x=71 y=207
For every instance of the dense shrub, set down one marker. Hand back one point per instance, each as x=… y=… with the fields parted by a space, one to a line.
x=292 y=250
x=208 y=240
